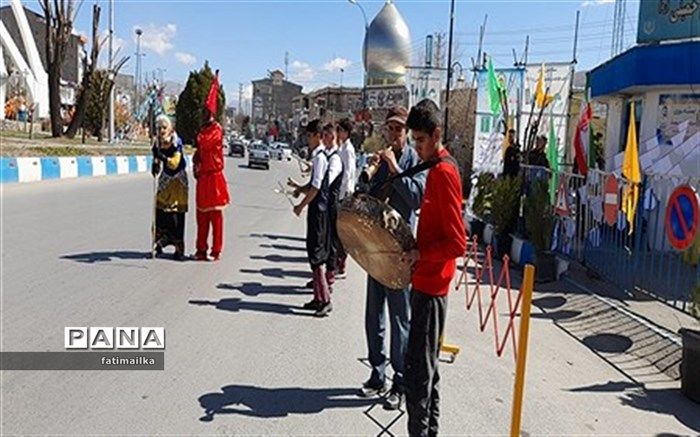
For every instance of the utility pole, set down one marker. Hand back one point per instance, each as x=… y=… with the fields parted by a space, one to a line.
x=110 y=125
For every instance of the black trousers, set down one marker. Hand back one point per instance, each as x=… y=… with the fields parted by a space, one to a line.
x=317 y=235
x=422 y=377
x=334 y=245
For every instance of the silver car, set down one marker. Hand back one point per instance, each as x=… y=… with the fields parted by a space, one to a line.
x=259 y=155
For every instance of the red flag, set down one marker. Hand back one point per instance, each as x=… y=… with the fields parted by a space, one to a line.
x=211 y=101
x=581 y=138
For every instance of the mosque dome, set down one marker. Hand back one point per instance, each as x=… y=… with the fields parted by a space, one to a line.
x=388 y=48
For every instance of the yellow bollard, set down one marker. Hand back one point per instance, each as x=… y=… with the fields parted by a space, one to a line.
x=451 y=349
x=519 y=387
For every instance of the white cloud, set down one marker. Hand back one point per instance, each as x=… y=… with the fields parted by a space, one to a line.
x=337 y=64
x=157 y=38
x=298 y=65
x=596 y=2
x=302 y=72
x=185 y=58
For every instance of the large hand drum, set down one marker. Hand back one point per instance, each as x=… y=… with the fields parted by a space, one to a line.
x=376 y=236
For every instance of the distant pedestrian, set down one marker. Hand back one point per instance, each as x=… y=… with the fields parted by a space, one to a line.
x=511 y=160
x=538 y=156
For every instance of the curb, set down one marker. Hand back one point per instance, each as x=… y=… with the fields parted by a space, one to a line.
x=22 y=170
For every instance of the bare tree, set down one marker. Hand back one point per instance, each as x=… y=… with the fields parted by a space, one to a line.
x=59 y=16
x=88 y=70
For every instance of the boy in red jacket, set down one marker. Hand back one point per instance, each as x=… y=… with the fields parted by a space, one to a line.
x=441 y=239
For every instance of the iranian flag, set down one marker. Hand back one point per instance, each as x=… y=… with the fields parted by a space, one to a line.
x=582 y=138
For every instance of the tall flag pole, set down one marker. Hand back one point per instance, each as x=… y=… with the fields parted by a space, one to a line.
x=553 y=158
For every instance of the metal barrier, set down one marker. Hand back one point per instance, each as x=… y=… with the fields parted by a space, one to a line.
x=641 y=260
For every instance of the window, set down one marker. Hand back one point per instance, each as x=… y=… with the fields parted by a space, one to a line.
x=626 y=121
x=485 y=124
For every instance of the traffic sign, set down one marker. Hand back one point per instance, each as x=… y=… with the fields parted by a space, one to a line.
x=610 y=200
x=682 y=217
x=561 y=208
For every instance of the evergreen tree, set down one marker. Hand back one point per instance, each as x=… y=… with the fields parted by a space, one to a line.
x=190 y=104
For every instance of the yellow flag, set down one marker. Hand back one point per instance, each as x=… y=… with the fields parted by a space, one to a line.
x=541 y=98
x=631 y=171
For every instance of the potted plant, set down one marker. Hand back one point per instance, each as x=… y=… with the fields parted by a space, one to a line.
x=482 y=204
x=504 y=212
x=539 y=224
x=690 y=363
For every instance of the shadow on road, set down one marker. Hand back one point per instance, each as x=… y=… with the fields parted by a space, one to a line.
x=256 y=288
x=235 y=305
x=662 y=401
x=284 y=247
x=247 y=400
x=281 y=258
x=95 y=257
x=279 y=237
x=277 y=272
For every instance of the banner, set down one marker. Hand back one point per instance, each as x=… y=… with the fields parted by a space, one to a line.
x=677 y=113
x=488 y=132
x=386 y=97
x=424 y=83
x=661 y=20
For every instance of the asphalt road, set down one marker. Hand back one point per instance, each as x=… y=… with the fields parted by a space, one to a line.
x=241 y=355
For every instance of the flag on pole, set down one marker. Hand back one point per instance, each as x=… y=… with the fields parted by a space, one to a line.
x=582 y=138
x=553 y=158
x=494 y=89
x=211 y=102
x=631 y=171
x=541 y=98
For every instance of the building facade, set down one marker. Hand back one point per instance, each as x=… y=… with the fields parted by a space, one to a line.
x=272 y=98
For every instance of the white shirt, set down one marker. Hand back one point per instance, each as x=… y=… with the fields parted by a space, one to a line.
x=335 y=164
x=319 y=164
x=347 y=155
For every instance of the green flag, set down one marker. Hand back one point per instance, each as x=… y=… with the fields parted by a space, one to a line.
x=494 y=90
x=553 y=158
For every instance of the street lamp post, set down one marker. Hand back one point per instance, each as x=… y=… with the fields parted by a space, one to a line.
x=137 y=73
x=110 y=128
x=364 y=52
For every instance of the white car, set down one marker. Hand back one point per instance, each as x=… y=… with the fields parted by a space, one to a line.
x=281 y=151
x=258 y=155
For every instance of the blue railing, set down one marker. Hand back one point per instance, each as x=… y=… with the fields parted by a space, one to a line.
x=641 y=260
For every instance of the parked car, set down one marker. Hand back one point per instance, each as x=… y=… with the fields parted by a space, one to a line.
x=258 y=154
x=236 y=148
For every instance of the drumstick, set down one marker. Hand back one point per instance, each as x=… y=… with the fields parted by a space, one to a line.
x=281 y=190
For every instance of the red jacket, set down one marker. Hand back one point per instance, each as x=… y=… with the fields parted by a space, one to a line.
x=441 y=236
x=212 y=191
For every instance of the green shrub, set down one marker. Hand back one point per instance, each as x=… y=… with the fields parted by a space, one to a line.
x=484 y=195
x=505 y=204
x=539 y=221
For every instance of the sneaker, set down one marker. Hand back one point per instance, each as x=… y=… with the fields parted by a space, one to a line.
x=395 y=399
x=215 y=256
x=341 y=275
x=312 y=305
x=201 y=256
x=369 y=390
x=323 y=309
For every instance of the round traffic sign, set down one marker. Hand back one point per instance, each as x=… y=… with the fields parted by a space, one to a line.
x=682 y=217
x=610 y=199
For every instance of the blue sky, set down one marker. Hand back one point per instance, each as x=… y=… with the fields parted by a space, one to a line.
x=244 y=39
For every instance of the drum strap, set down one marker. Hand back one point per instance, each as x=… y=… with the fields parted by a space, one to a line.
x=409 y=173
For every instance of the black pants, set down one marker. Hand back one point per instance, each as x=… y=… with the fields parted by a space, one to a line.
x=334 y=245
x=422 y=377
x=170 y=228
